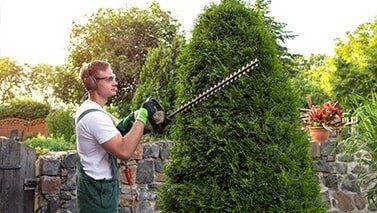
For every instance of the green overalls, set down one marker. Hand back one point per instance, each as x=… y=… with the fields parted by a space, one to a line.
x=96 y=195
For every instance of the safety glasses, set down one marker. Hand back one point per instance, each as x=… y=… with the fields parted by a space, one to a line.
x=108 y=79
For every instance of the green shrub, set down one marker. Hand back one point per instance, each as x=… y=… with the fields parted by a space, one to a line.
x=50 y=144
x=60 y=124
x=27 y=109
x=242 y=150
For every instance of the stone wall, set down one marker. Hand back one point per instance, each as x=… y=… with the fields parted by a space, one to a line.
x=336 y=173
x=56 y=177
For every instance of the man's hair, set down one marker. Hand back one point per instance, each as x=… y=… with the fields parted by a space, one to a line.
x=88 y=71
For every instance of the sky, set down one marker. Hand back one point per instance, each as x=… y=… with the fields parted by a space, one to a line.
x=37 y=31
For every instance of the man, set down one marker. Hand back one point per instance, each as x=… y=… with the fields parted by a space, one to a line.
x=99 y=142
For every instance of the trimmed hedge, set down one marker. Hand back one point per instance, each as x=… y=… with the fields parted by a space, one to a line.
x=26 y=109
x=242 y=150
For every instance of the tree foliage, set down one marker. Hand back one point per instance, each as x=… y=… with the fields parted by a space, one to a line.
x=158 y=75
x=356 y=64
x=27 y=109
x=11 y=78
x=39 y=83
x=67 y=86
x=280 y=34
x=242 y=150
x=312 y=78
x=123 y=38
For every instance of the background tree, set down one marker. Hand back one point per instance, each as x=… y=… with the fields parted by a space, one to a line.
x=280 y=34
x=356 y=62
x=39 y=81
x=242 y=150
x=11 y=78
x=158 y=75
x=67 y=85
x=123 y=38
x=312 y=78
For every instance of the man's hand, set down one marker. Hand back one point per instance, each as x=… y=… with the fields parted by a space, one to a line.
x=126 y=123
x=153 y=112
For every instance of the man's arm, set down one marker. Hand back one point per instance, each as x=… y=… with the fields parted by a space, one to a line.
x=124 y=147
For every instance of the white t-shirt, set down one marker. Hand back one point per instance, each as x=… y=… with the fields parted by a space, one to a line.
x=92 y=130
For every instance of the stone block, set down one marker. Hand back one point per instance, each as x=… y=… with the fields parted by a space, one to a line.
x=158 y=165
x=345 y=158
x=144 y=207
x=341 y=168
x=145 y=171
x=47 y=165
x=125 y=200
x=151 y=151
x=71 y=174
x=69 y=160
x=50 y=185
x=164 y=149
x=126 y=189
x=144 y=194
x=65 y=195
x=322 y=166
x=360 y=201
x=344 y=201
x=330 y=181
x=69 y=185
x=328 y=148
x=138 y=154
x=350 y=184
x=314 y=150
x=53 y=204
x=70 y=205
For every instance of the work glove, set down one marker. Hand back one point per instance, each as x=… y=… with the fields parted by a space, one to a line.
x=152 y=115
x=124 y=125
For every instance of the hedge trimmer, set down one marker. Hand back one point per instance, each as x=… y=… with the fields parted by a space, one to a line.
x=162 y=121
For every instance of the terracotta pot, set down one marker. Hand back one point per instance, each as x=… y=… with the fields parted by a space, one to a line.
x=319 y=134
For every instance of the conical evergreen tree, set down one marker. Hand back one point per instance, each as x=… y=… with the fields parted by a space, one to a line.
x=242 y=150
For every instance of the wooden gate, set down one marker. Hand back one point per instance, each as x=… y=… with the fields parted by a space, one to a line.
x=17 y=177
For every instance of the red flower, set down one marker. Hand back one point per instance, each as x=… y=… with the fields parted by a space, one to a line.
x=329 y=117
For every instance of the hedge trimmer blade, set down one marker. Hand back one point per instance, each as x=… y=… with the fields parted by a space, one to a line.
x=195 y=101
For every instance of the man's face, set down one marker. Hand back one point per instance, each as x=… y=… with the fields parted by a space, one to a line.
x=106 y=83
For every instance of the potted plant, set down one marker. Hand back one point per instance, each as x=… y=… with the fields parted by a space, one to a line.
x=322 y=121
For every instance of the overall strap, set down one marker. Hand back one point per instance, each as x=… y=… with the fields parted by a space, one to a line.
x=86 y=112
x=112 y=158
